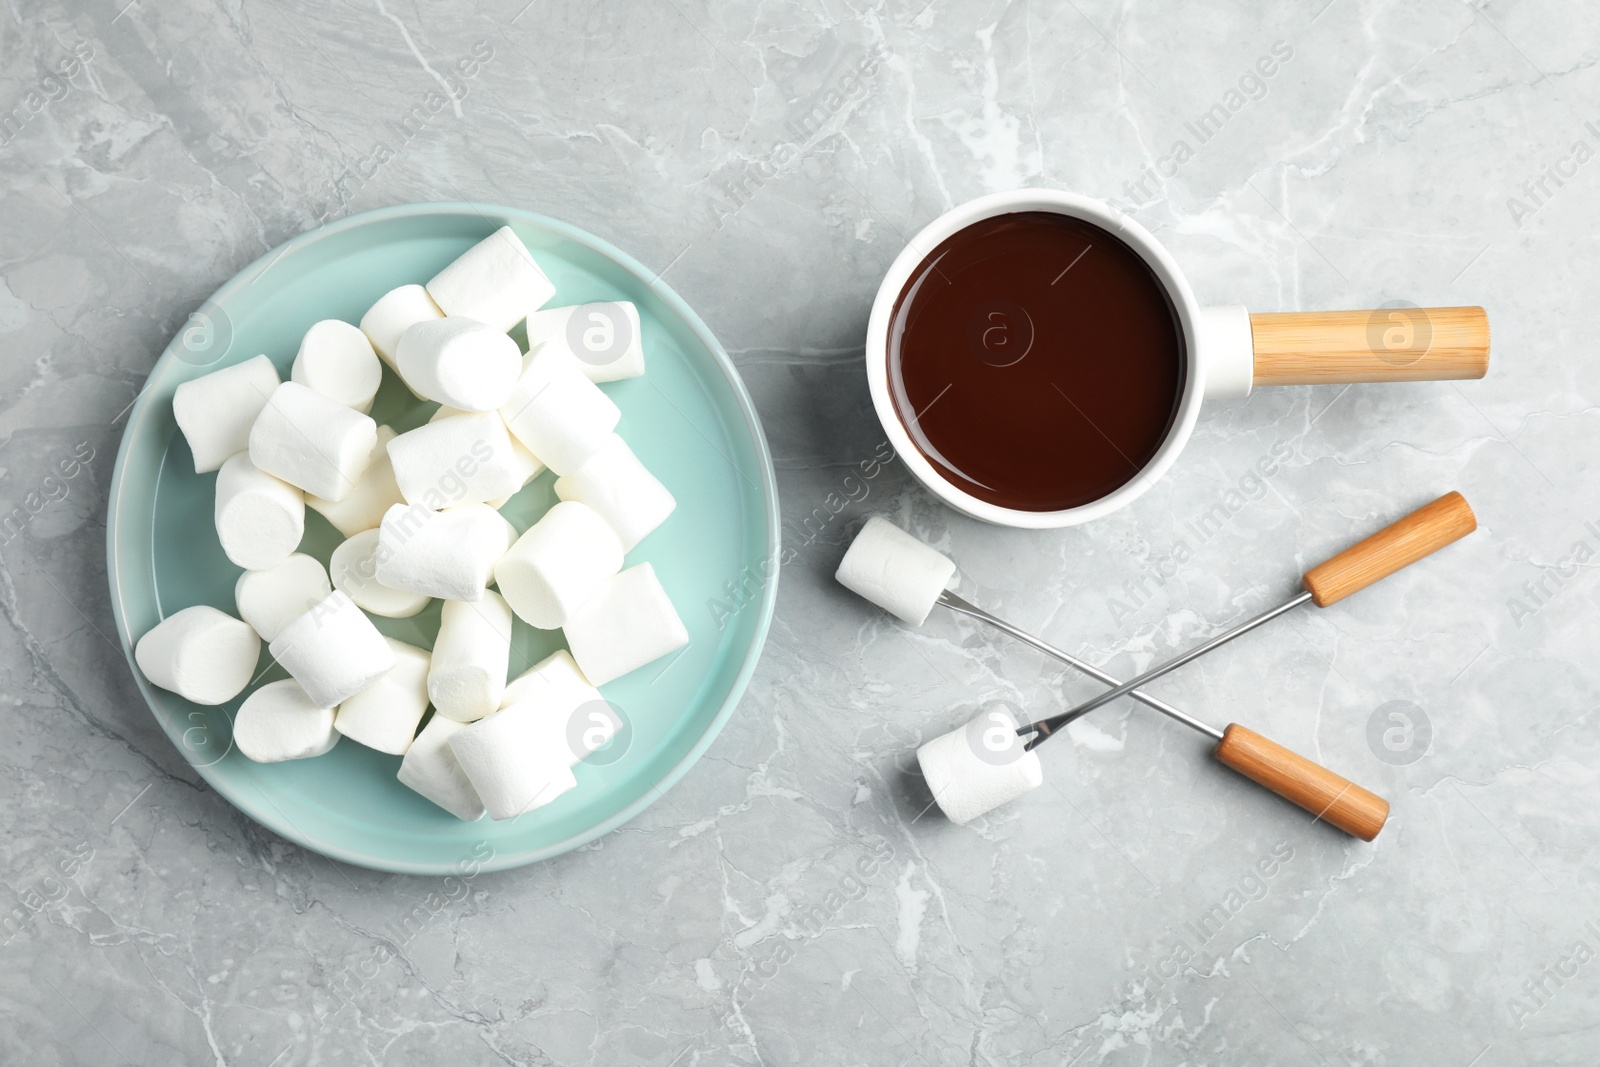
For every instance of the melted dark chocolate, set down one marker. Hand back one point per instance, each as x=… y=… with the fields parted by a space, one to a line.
x=1036 y=361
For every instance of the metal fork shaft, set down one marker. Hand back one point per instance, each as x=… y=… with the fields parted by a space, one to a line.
x=955 y=603
x=1045 y=727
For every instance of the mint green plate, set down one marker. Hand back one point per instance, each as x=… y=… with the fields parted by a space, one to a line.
x=689 y=418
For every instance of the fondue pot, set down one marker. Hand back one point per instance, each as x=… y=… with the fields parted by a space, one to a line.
x=1227 y=350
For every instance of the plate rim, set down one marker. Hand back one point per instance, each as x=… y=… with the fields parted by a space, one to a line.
x=253 y=272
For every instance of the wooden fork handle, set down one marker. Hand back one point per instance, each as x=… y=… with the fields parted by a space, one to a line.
x=1326 y=795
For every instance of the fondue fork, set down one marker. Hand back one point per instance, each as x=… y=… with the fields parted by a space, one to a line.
x=1328 y=796
x=907 y=578
x=1397 y=545
x=1290 y=775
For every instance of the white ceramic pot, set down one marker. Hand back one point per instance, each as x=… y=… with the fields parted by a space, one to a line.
x=1228 y=349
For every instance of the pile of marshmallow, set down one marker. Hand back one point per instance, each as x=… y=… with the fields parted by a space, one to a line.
x=419 y=511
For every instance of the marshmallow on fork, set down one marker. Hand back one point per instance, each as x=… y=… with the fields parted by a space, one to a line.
x=895 y=571
x=511 y=763
x=602 y=338
x=558 y=564
x=395 y=312
x=375 y=492
x=614 y=483
x=333 y=650
x=384 y=715
x=495 y=281
x=561 y=416
x=337 y=360
x=459 y=361
x=449 y=554
x=215 y=411
x=200 y=653
x=430 y=768
x=272 y=598
x=470 y=656
x=312 y=441
x=280 y=722
x=354 y=567
x=260 y=519
x=460 y=459
x=977 y=767
x=625 y=625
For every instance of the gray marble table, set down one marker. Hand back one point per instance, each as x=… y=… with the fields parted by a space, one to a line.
x=788 y=902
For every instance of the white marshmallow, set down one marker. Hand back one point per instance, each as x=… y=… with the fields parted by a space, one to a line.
x=558 y=564
x=625 y=625
x=215 y=411
x=461 y=362
x=375 y=493
x=272 y=598
x=470 y=657
x=280 y=722
x=618 y=486
x=575 y=717
x=384 y=715
x=449 y=554
x=975 y=768
x=395 y=312
x=337 y=360
x=463 y=459
x=526 y=463
x=602 y=338
x=430 y=768
x=200 y=653
x=495 y=281
x=559 y=414
x=312 y=441
x=354 y=569
x=510 y=762
x=564 y=781
x=894 y=570
x=333 y=650
x=259 y=519
x=555 y=681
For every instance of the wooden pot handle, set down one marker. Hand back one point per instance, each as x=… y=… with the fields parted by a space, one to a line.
x=1335 y=800
x=1397 y=545
x=1397 y=344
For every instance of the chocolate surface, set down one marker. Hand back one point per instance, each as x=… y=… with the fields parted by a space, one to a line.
x=1036 y=361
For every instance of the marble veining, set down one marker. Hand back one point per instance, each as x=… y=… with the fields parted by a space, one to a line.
x=792 y=901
